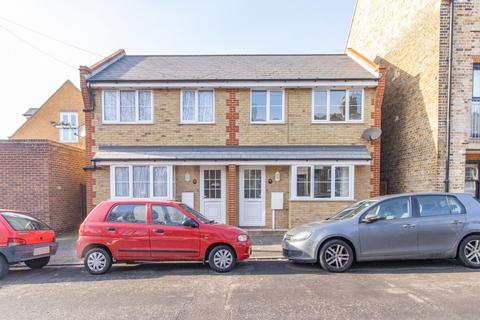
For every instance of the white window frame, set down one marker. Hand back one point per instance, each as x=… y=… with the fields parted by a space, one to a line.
x=476 y=71
x=347 y=105
x=69 y=114
x=170 y=182
x=195 y=120
x=117 y=108
x=293 y=182
x=268 y=121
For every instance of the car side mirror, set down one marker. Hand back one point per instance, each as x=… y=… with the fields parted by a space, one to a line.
x=373 y=219
x=190 y=223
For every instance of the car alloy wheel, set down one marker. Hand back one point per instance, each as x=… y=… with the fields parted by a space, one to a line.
x=337 y=256
x=472 y=252
x=223 y=259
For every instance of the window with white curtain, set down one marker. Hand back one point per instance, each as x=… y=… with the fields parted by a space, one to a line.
x=127 y=106
x=476 y=81
x=337 y=105
x=267 y=106
x=142 y=181
x=322 y=182
x=197 y=106
x=69 y=127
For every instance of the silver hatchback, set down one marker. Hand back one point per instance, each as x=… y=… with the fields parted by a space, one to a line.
x=405 y=226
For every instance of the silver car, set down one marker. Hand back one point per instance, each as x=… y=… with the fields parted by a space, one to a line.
x=405 y=226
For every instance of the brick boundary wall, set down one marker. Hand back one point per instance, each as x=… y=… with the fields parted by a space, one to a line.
x=377 y=123
x=44 y=178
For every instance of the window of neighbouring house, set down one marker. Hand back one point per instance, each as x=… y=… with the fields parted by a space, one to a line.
x=142 y=181
x=267 y=106
x=69 y=127
x=476 y=81
x=127 y=106
x=326 y=181
x=337 y=106
x=197 y=106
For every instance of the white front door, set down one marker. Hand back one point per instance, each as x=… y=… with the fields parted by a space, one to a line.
x=213 y=193
x=252 y=196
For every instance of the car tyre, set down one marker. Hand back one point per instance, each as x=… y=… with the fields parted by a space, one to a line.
x=4 y=267
x=222 y=258
x=469 y=252
x=37 y=263
x=336 y=256
x=97 y=261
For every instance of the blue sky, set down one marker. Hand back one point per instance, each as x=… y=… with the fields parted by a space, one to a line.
x=30 y=76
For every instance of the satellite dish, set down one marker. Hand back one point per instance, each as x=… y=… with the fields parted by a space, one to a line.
x=372 y=134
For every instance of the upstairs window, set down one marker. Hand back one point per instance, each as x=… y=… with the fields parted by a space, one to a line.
x=69 y=127
x=337 y=106
x=127 y=106
x=197 y=106
x=476 y=81
x=267 y=106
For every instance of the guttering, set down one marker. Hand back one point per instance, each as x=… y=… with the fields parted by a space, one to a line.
x=293 y=83
x=449 y=96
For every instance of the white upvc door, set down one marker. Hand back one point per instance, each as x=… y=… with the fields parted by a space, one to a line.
x=213 y=193
x=252 y=196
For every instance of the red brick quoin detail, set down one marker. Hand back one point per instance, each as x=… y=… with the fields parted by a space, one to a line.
x=377 y=123
x=232 y=194
x=476 y=59
x=232 y=116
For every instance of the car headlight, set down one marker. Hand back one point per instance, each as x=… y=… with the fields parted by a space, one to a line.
x=304 y=235
x=242 y=238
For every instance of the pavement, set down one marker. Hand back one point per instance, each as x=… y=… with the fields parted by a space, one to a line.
x=255 y=289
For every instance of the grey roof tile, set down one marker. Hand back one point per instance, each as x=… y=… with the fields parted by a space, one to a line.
x=233 y=67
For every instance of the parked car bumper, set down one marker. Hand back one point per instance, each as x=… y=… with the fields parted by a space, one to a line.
x=243 y=250
x=29 y=252
x=300 y=251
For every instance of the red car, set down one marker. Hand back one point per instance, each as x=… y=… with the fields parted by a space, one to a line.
x=24 y=239
x=126 y=231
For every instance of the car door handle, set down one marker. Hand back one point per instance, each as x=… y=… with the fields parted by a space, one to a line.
x=110 y=229
x=158 y=231
x=408 y=226
x=456 y=222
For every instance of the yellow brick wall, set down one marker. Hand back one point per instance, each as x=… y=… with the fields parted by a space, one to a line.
x=281 y=216
x=182 y=186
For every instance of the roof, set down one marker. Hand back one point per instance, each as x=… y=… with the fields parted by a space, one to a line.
x=30 y=112
x=231 y=153
x=233 y=67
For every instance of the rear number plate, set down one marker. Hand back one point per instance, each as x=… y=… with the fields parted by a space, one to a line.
x=41 y=250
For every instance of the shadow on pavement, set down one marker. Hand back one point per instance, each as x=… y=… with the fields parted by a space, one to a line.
x=50 y=274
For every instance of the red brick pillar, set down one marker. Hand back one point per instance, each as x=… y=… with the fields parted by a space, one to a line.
x=232 y=186
x=377 y=123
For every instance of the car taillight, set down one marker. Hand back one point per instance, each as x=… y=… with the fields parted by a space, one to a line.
x=11 y=242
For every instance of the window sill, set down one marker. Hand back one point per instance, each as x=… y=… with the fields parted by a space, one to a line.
x=337 y=122
x=124 y=123
x=195 y=123
x=322 y=200
x=267 y=122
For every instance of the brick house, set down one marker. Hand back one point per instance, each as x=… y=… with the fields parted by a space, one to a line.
x=424 y=114
x=41 y=165
x=231 y=135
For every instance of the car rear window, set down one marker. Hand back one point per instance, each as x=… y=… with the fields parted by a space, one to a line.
x=23 y=222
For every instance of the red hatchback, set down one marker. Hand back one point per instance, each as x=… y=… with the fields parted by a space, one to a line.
x=126 y=231
x=24 y=239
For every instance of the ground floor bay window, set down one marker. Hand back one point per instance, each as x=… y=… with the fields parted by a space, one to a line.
x=322 y=182
x=141 y=182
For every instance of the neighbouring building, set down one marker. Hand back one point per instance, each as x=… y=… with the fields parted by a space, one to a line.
x=60 y=118
x=427 y=109
x=234 y=136
x=41 y=165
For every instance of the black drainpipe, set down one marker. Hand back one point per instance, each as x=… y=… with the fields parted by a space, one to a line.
x=449 y=97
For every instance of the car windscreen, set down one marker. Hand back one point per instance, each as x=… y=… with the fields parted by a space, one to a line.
x=352 y=210
x=196 y=214
x=23 y=222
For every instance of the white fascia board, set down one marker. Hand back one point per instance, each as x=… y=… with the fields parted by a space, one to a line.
x=225 y=163
x=237 y=84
